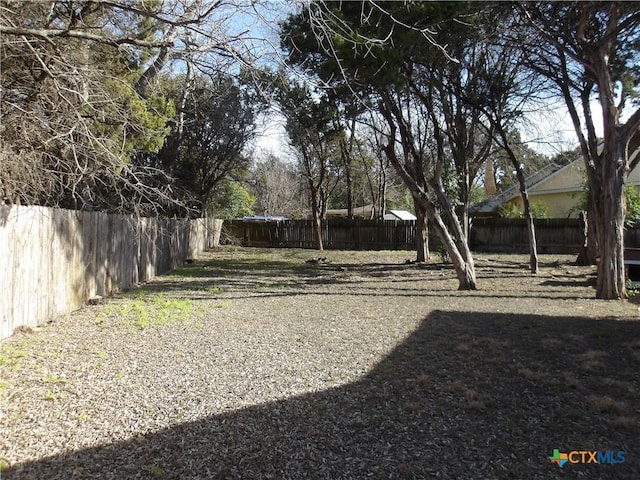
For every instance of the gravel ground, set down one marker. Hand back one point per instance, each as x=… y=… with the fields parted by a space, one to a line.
x=252 y=363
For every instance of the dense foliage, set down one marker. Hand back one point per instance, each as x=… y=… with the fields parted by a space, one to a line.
x=93 y=91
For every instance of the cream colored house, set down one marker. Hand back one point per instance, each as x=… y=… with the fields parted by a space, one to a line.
x=558 y=188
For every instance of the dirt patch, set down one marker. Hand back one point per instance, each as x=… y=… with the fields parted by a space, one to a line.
x=254 y=363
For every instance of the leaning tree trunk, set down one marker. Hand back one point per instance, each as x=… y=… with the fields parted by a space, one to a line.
x=458 y=251
x=456 y=247
x=531 y=229
x=456 y=244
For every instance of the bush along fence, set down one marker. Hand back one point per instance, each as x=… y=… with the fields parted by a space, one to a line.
x=53 y=260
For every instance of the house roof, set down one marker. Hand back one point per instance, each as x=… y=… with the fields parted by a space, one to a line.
x=400 y=215
x=552 y=178
x=531 y=182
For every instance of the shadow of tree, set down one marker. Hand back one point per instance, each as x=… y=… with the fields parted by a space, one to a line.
x=571 y=282
x=467 y=395
x=255 y=276
x=240 y=274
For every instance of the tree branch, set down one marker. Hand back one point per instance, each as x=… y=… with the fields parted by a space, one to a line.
x=48 y=33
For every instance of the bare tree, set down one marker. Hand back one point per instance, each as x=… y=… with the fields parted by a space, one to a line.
x=424 y=176
x=278 y=189
x=78 y=94
x=504 y=89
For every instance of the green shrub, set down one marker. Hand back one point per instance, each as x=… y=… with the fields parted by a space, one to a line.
x=510 y=210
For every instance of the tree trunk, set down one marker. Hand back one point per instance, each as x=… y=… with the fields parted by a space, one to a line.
x=456 y=247
x=589 y=254
x=463 y=209
x=382 y=195
x=584 y=255
x=317 y=220
x=422 y=232
x=531 y=229
x=611 y=281
x=316 y=214
x=592 y=241
x=490 y=188
x=458 y=241
x=458 y=253
x=347 y=154
x=161 y=60
x=347 y=172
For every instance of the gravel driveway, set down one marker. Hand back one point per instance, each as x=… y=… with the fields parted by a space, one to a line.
x=253 y=363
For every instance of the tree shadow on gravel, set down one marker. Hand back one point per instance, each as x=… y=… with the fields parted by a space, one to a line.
x=572 y=282
x=466 y=396
x=256 y=274
x=250 y=274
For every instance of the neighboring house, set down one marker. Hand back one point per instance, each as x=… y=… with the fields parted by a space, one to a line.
x=399 y=215
x=363 y=211
x=367 y=211
x=558 y=188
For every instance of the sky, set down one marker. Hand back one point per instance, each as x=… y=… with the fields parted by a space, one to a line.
x=550 y=131
x=272 y=138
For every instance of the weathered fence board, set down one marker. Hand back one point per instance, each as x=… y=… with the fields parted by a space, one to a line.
x=556 y=235
x=553 y=235
x=53 y=260
x=337 y=234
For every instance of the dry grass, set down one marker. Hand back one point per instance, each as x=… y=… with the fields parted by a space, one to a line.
x=606 y=404
x=252 y=364
x=423 y=380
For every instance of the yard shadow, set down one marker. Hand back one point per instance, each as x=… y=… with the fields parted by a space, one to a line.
x=224 y=278
x=467 y=395
x=572 y=282
x=247 y=274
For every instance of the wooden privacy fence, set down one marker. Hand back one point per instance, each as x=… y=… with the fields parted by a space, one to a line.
x=556 y=235
x=337 y=234
x=553 y=235
x=53 y=260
